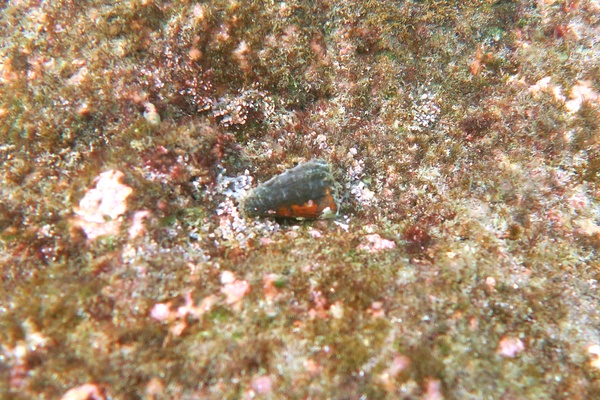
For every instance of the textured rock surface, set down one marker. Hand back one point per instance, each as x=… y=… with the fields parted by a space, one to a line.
x=463 y=263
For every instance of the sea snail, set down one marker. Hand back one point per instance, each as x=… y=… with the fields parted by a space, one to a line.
x=306 y=191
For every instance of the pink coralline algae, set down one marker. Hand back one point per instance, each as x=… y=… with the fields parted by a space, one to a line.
x=375 y=243
x=100 y=209
x=177 y=319
x=88 y=391
x=234 y=289
x=137 y=224
x=509 y=347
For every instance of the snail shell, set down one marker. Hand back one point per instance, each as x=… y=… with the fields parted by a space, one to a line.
x=306 y=191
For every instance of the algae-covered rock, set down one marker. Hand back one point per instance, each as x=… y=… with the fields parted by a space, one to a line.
x=463 y=140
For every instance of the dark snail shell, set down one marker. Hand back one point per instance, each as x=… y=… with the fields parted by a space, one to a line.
x=306 y=191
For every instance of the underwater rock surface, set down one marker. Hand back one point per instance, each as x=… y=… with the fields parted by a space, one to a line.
x=464 y=258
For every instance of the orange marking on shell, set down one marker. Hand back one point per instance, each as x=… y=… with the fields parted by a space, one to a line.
x=309 y=210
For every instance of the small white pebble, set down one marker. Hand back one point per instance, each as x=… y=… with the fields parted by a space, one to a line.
x=337 y=310
x=84 y=392
x=490 y=282
x=594 y=353
x=150 y=114
x=262 y=384
x=227 y=277
x=510 y=347
x=160 y=312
